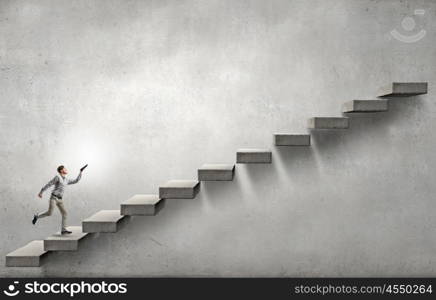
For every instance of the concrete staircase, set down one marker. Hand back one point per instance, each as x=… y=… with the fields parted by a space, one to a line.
x=104 y=221
x=365 y=106
x=328 y=123
x=30 y=255
x=253 y=156
x=179 y=189
x=287 y=139
x=142 y=205
x=110 y=221
x=403 y=89
x=216 y=172
x=65 y=242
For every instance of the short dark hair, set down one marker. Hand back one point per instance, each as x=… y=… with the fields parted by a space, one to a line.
x=60 y=168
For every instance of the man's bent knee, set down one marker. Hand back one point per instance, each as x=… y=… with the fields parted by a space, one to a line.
x=48 y=213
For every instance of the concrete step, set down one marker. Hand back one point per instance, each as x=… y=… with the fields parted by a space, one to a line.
x=328 y=123
x=286 y=139
x=253 y=156
x=104 y=221
x=65 y=242
x=142 y=205
x=216 y=172
x=365 y=106
x=179 y=189
x=403 y=89
x=31 y=255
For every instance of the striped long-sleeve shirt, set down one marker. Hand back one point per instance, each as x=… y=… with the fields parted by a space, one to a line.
x=59 y=183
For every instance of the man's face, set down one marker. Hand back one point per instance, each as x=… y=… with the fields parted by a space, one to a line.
x=64 y=171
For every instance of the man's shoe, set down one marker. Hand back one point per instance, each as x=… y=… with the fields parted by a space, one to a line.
x=65 y=231
x=35 y=218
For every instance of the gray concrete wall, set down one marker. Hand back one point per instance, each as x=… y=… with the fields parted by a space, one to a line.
x=146 y=91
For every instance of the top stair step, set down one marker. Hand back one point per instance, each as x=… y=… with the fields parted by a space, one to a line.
x=403 y=89
x=328 y=123
x=365 y=106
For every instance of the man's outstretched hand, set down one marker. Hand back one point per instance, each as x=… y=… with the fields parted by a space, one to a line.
x=83 y=168
x=40 y=195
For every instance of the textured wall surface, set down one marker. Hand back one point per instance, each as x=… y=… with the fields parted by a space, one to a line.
x=147 y=91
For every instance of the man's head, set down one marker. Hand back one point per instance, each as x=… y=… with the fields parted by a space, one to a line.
x=62 y=170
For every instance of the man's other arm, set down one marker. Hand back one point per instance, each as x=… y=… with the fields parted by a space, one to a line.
x=49 y=184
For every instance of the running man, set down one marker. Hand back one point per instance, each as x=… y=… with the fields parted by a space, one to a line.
x=59 y=182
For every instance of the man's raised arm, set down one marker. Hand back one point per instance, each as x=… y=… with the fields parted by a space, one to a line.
x=73 y=181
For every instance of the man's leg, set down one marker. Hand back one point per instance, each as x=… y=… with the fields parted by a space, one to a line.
x=49 y=211
x=63 y=212
x=51 y=203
